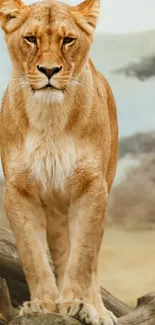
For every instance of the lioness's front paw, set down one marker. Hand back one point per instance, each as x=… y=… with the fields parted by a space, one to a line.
x=37 y=306
x=86 y=313
x=80 y=310
x=108 y=318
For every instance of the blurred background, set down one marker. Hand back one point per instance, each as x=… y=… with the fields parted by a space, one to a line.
x=124 y=50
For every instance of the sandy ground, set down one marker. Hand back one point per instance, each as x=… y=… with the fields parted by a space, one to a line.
x=127 y=263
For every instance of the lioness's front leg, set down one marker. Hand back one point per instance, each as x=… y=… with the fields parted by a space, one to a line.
x=81 y=296
x=27 y=220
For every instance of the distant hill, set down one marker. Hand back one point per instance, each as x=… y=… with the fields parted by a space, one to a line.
x=132 y=151
x=144 y=69
x=137 y=144
x=132 y=200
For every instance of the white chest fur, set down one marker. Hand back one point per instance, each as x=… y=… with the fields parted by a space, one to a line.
x=50 y=162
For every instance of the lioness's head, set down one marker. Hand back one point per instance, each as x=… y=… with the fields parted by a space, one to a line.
x=48 y=41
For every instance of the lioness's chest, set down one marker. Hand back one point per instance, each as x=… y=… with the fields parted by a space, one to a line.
x=50 y=161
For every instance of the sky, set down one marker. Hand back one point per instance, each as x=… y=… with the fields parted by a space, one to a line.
x=123 y=16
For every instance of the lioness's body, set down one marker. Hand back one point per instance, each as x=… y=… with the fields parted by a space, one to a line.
x=59 y=154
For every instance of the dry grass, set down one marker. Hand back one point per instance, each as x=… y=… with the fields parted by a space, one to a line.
x=139 y=143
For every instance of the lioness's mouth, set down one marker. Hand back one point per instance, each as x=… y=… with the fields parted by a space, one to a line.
x=43 y=88
x=48 y=86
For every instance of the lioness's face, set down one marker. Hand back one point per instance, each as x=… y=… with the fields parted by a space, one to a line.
x=49 y=41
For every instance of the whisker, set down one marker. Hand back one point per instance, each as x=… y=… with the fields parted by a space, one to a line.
x=20 y=82
x=78 y=83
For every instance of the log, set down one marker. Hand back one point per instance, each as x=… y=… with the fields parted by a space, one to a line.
x=11 y=270
x=8 y=312
x=142 y=315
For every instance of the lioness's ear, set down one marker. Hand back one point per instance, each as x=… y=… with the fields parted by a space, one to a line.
x=86 y=14
x=12 y=14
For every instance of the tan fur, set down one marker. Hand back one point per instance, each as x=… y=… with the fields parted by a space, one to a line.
x=59 y=151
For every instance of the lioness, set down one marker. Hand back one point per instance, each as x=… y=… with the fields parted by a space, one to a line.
x=59 y=146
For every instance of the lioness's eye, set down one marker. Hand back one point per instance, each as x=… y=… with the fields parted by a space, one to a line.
x=11 y=16
x=68 y=40
x=30 y=39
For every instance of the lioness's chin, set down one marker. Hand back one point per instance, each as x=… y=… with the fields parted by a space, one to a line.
x=48 y=96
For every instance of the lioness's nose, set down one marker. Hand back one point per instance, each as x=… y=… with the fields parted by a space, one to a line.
x=49 y=73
